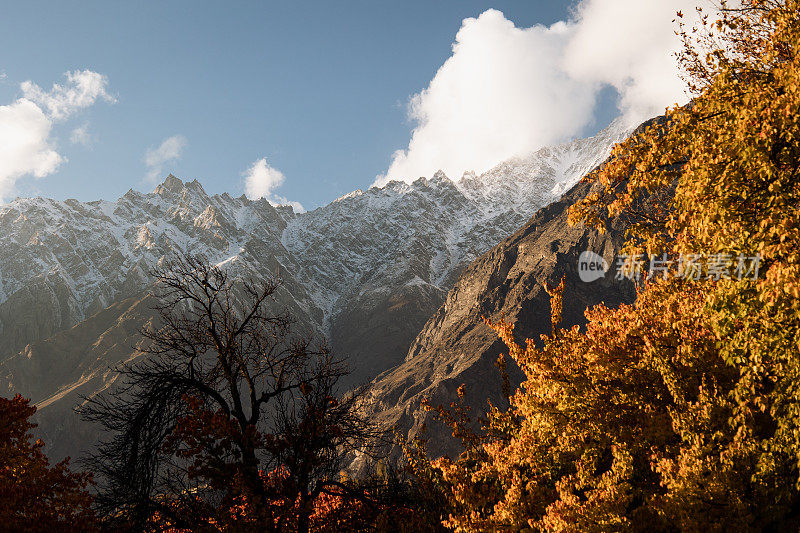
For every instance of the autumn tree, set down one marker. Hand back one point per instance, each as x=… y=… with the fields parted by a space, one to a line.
x=681 y=411
x=35 y=496
x=229 y=422
x=620 y=427
x=733 y=159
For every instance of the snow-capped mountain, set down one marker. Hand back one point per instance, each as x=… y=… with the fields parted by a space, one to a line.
x=365 y=271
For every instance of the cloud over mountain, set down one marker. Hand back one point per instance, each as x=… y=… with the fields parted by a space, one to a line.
x=630 y=45
x=25 y=146
x=506 y=91
x=82 y=89
x=168 y=151
x=260 y=182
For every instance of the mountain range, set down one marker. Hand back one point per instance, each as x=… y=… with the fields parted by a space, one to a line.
x=393 y=278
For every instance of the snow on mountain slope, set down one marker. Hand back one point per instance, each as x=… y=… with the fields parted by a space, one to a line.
x=447 y=222
x=372 y=264
x=71 y=259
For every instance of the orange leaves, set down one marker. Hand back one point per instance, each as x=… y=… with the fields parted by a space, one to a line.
x=683 y=410
x=556 y=303
x=736 y=191
x=593 y=434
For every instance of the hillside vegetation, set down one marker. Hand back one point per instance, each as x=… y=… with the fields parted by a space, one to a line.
x=679 y=412
x=682 y=411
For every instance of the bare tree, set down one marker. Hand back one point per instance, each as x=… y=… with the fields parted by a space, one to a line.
x=228 y=420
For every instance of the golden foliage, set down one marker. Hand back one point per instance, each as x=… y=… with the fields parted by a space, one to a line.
x=556 y=302
x=733 y=159
x=623 y=426
x=683 y=410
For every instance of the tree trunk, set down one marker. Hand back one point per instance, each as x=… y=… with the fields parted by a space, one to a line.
x=303 y=516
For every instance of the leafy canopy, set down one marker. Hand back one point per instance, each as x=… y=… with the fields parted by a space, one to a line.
x=681 y=411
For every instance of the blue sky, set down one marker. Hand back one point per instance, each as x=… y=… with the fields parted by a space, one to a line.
x=319 y=89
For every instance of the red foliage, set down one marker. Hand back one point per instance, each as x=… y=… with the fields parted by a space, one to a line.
x=35 y=496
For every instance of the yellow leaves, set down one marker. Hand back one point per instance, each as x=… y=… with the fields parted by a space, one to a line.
x=792 y=290
x=556 y=303
x=738 y=190
x=688 y=402
x=593 y=404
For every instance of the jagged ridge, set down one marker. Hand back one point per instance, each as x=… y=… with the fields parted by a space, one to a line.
x=365 y=271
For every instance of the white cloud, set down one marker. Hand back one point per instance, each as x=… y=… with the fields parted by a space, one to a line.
x=506 y=91
x=485 y=104
x=82 y=89
x=81 y=135
x=630 y=44
x=26 y=144
x=168 y=151
x=260 y=180
x=282 y=200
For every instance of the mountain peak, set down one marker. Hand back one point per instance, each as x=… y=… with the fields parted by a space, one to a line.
x=353 y=194
x=377 y=263
x=171 y=184
x=195 y=186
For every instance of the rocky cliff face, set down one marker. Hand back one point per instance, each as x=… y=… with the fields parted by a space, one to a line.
x=364 y=272
x=454 y=347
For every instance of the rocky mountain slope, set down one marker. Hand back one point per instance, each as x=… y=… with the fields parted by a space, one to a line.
x=364 y=272
x=455 y=347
